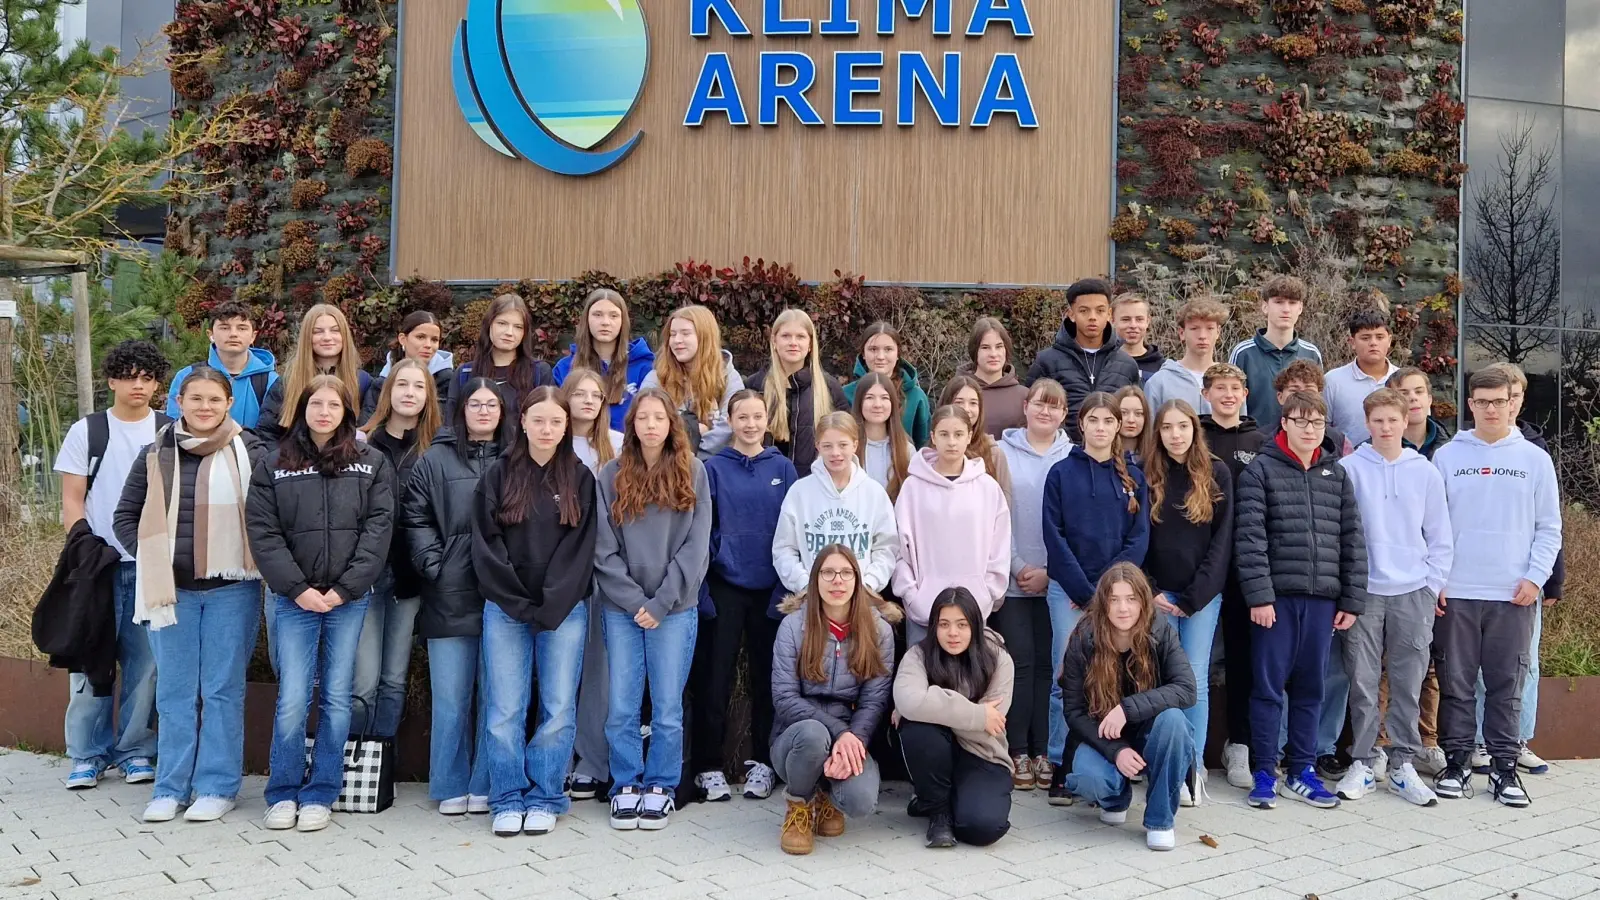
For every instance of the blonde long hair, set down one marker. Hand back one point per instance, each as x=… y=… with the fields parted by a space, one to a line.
x=428 y=421
x=776 y=389
x=302 y=366
x=599 y=435
x=1200 y=503
x=700 y=384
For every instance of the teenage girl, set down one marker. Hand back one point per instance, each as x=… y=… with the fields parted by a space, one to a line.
x=954 y=524
x=504 y=354
x=324 y=346
x=989 y=353
x=419 y=337
x=798 y=392
x=604 y=344
x=585 y=393
x=1135 y=409
x=698 y=375
x=965 y=391
x=879 y=354
x=885 y=451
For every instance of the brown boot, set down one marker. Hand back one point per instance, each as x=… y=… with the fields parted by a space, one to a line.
x=827 y=820
x=796 y=838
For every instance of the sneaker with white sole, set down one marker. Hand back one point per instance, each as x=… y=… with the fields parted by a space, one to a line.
x=1307 y=787
x=314 y=818
x=1506 y=788
x=477 y=804
x=538 y=821
x=1481 y=761
x=1193 y=790
x=1529 y=761
x=1357 y=782
x=758 y=780
x=508 y=824
x=625 y=809
x=656 y=808
x=208 y=809
x=1113 y=816
x=282 y=816
x=138 y=771
x=1160 y=838
x=1236 y=760
x=161 y=809
x=1409 y=785
x=1264 y=790
x=582 y=787
x=1455 y=782
x=1430 y=761
x=83 y=776
x=455 y=806
x=713 y=786
x=1380 y=766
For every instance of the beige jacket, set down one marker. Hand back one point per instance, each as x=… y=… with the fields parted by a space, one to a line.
x=919 y=701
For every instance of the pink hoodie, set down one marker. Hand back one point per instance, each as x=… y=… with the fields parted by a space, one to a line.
x=952 y=534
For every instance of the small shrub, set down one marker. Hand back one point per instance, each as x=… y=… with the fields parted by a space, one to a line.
x=306 y=193
x=369 y=156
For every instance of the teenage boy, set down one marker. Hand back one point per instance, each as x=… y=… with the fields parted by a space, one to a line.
x=1302 y=565
x=1409 y=549
x=1201 y=324
x=95 y=459
x=252 y=369
x=1283 y=299
x=1236 y=441
x=1303 y=375
x=1423 y=434
x=1087 y=355
x=1505 y=510
x=1347 y=386
x=1130 y=316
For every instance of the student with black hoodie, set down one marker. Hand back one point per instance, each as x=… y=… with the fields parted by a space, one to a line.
x=747 y=482
x=1087 y=355
x=436 y=515
x=535 y=522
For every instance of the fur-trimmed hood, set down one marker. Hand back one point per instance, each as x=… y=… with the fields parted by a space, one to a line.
x=888 y=610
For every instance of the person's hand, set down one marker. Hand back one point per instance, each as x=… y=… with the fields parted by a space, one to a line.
x=1033 y=579
x=1343 y=620
x=850 y=749
x=834 y=768
x=1439 y=608
x=1264 y=616
x=1129 y=762
x=311 y=600
x=643 y=619
x=1168 y=607
x=1527 y=593
x=1111 y=726
x=1550 y=601
x=994 y=720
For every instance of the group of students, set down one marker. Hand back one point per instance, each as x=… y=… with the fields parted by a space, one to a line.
x=568 y=538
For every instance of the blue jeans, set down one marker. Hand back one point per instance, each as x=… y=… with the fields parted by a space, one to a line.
x=1530 y=683
x=93 y=733
x=313 y=649
x=458 y=756
x=1196 y=633
x=202 y=659
x=659 y=657
x=1064 y=617
x=382 y=658
x=1168 y=753
x=1335 y=698
x=526 y=775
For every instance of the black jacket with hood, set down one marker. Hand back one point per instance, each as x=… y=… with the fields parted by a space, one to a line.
x=1081 y=372
x=75 y=621
x=538 y=570
x=1236 y=446
x=436 y=517
x=801 y=448
x=1174 y=689
x=403 y=457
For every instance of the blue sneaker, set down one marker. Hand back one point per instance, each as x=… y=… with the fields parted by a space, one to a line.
x=84 y=775
x=1265 y=794
x=1307 y=788
x=138 y=771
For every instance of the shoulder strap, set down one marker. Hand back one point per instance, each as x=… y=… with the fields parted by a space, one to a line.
x=99 y=439
x=258 y=383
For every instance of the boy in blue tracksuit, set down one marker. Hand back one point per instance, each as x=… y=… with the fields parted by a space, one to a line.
x=253 y=370
x=748 y=482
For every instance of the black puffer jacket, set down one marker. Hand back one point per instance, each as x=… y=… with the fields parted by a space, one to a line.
x=403 y=457
x=267 y=427
x=126 y=521
x=436 y=515
x=1298 y=530
x=801 y=448
x=328 y=533
x=1082 y=373
x=1174 y=689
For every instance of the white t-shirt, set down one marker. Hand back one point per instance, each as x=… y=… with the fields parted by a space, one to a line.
x=126 y=439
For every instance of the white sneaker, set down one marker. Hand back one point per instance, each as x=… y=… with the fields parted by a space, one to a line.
x=161 y=809
x=713 y=786
x=208 y=809
x=1380 y=765
x=1430 y=761
x=455 y=806
x=508 y=824
x=1184 y=797
x=477 y=804
x=538 y=821
x=281 y=817
x=758 y=780
x=1113 y=817
x=1193 y=790
x=1357 y=782
x=1481 y=762
x=314 y=818
x=1409 y=785
x=1236 y=760
x=1160 y=839
x=1530 y=762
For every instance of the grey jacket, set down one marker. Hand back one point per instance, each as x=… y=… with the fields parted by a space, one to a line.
x=841 y=702
x=1174 y=382
x=657 y=561
x=712 y=442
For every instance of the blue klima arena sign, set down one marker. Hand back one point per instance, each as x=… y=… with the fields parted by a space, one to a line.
x=548 y=81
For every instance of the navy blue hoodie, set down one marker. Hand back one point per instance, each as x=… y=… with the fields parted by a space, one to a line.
x=746 y=497
x=1087 y=526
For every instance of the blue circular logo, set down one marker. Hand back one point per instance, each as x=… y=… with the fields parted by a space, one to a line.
x=550 y=80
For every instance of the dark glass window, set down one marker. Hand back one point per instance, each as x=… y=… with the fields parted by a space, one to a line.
x=1515 y=49
x=1537 y=351
x=1580 y=166
x=1511 y=253
x=1583 y=53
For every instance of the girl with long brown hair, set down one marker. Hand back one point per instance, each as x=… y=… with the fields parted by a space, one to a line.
x=879 y=353
x=1127 y=682
x=989 y=352
x=324 y=346
x=650 y=559
x=604 y=344
x=1191 y=546
x=593 y=438
x=967 y=392
x=698 y=375
x=885 y=449
x=504 y=354
x=831 y=683
x=1135 y=421
x=797 y=390
x=418 y=338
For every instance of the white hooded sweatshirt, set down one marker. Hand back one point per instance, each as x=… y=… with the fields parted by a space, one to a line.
x=816 y=514
x=1505 y=510
x=1405 y=520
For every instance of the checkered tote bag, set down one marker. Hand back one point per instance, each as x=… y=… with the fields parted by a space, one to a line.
x=368 y=774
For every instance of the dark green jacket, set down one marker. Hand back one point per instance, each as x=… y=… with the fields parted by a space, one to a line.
x=918 y=414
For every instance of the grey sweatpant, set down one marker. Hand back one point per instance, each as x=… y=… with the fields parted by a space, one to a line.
x=1494 y=637
x=797 y=757
x=591 y=746
x=1394 y=632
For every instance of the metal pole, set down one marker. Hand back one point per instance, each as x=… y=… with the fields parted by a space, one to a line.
x=81 y=348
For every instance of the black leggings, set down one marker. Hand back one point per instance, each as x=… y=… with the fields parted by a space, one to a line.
x=1025 y=624
x=1238 y=675
x=974 y=792
x=741 y=618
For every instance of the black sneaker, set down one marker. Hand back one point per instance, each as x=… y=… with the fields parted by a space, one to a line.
x=582 y=787
x=1331 y=767
x=940 y=832
x=1506 y=788
x=1058 y=788
x=1455 y=782
x=656 y=807
x=916 y=809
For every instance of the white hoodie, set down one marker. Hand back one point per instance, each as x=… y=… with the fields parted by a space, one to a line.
x=1506 y=512
x=1405 y=520
x=441 y=360
x=816 y=514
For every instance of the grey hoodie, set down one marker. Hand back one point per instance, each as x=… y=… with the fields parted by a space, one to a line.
x=657 y=561
x=712 y=442
x=1174 y=382
x=1028 y=472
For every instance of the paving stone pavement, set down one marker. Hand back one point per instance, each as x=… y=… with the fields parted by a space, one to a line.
x=60 y=845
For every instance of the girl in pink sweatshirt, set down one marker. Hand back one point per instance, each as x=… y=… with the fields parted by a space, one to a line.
x=954 y=523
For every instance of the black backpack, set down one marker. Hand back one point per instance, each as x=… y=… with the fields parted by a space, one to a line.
x=100 y=437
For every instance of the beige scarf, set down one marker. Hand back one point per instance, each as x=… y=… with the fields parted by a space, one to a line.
x=221 y=547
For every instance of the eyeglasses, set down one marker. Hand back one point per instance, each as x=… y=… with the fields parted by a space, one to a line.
x=836 y=574
x=482 y=405
x=1306 y=422
x=1497 y=403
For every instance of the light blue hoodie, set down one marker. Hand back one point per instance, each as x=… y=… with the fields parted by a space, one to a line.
x=1174 y=382
x=1029 y=469
x=1405 y=520
x=1505 y=510
x=246 y=403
